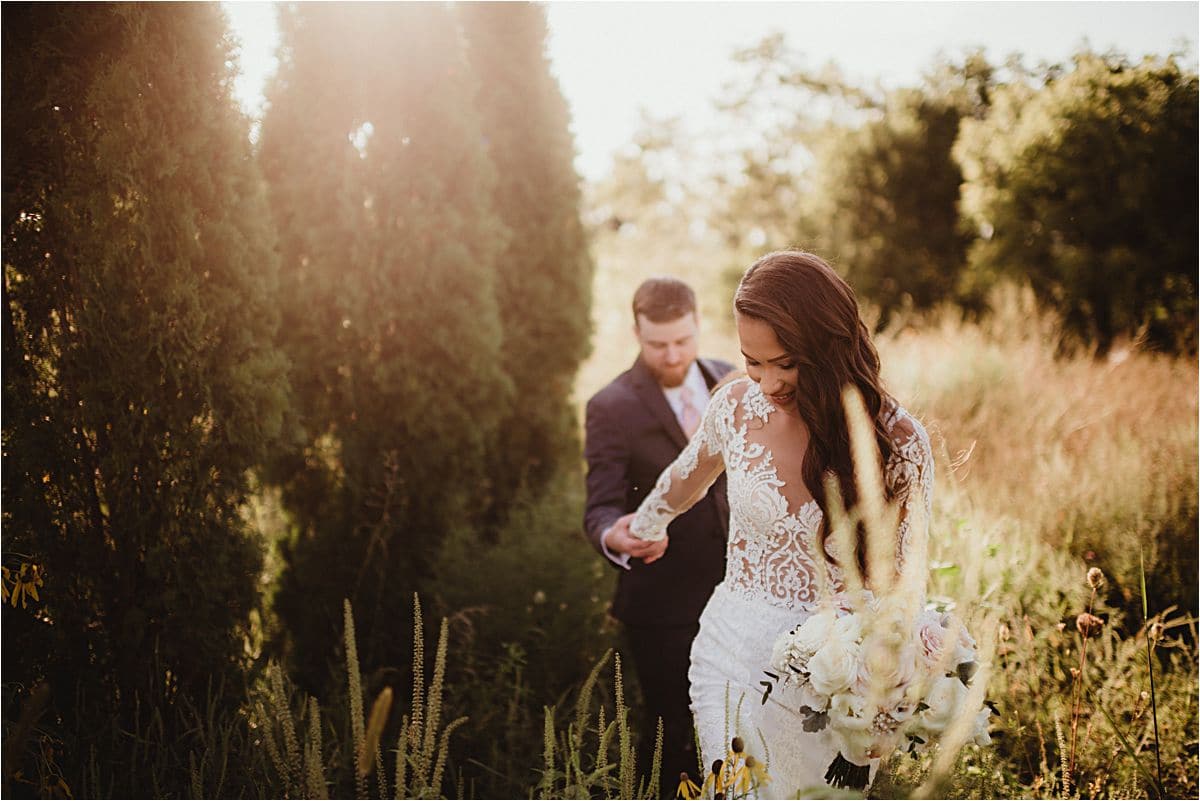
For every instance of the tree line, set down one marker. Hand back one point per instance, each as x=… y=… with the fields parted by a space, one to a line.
x=1077 y=179
x=378 y=309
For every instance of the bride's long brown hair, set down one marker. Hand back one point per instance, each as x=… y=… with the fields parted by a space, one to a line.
x=815 y=316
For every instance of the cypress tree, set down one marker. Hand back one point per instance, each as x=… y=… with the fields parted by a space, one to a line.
x=141 y=383
x=543 y=276
x=381 y=190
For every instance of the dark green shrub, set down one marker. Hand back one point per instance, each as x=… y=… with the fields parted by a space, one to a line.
x=140 y=382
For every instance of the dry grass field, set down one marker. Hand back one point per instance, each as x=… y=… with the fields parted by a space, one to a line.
x=1048 y=463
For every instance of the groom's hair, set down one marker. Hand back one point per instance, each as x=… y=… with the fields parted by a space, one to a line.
x=663 y=299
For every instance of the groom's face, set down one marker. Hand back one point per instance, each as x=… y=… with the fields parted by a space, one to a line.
x=668 y=348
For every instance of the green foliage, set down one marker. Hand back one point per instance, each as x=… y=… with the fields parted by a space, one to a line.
x=355 y=764
x=390 y=313
x=791 y=107
x=865 y=178
x=577 y=766
x=544 y=273
x=1083 y=189
x=140 y=382
x=884 y=204
x=527 y=622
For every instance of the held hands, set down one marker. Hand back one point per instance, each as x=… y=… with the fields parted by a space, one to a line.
x=621 y=540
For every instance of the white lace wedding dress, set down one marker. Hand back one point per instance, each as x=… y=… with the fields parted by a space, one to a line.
x=773 y=575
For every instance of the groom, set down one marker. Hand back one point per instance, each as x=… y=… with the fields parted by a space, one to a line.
x=636 y=426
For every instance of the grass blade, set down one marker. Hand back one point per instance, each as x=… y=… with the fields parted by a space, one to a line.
x=1150 y=663
x=1125 y=744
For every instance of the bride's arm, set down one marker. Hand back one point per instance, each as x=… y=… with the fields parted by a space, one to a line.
x=910 y=476
x=688 y=478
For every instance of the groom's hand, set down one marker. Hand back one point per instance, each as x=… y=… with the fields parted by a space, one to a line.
x=621 y=540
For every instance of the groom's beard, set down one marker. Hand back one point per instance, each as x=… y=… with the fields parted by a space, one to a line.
x=671 y=376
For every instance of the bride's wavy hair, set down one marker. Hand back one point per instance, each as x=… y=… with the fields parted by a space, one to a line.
x=815 y=317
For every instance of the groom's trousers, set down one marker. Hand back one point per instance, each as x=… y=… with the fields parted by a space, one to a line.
x=661 y=655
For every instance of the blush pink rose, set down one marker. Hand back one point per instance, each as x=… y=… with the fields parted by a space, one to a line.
x=933 y=640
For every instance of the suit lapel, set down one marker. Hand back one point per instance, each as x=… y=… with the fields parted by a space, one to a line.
x=711 y=377
x=651 y=395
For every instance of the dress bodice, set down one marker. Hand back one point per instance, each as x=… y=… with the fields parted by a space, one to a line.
x=774 y=553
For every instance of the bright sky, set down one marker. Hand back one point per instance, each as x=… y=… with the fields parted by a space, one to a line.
x=672 y=58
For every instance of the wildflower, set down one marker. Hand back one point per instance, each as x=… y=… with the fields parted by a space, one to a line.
x=688 y=789
x=1095 y=578
x=740 y=781
x=24 y=584
x=748 y=776
x=737 y=745
x=716 y=780
x=1088 y=624
x=758 y=772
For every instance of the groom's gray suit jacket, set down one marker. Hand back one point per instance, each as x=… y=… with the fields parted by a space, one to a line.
x=632 y=435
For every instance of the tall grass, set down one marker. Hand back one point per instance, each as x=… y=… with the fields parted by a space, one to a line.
x=1049 y=462
x=307 y=769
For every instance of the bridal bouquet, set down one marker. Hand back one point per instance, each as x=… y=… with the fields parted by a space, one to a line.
x=877 y=679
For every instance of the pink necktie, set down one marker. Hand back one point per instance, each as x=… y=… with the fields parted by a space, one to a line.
x=689 y=415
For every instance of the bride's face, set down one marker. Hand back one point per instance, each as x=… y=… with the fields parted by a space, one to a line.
x=767 y=363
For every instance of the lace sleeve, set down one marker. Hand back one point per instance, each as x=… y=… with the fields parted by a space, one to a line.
x=910 y=476
x=687 y=479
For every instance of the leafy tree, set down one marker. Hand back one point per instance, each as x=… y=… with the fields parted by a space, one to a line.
x=1086 y=188
x=653 y=186
x=862 y=176
x=140 y=381
x=381 y=188
x=543 y=275
x=778 y=115
x=884 y=206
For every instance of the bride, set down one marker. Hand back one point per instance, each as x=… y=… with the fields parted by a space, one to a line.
x=777 y=433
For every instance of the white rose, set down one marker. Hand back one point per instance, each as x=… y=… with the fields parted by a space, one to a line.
x=848 y=628
x=833 y=667
x=848 y=711
x=805 y=695
x=814 y=632
x=944 y=701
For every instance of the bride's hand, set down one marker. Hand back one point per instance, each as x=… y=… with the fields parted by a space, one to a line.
x=656 y=550
x=621 y=539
